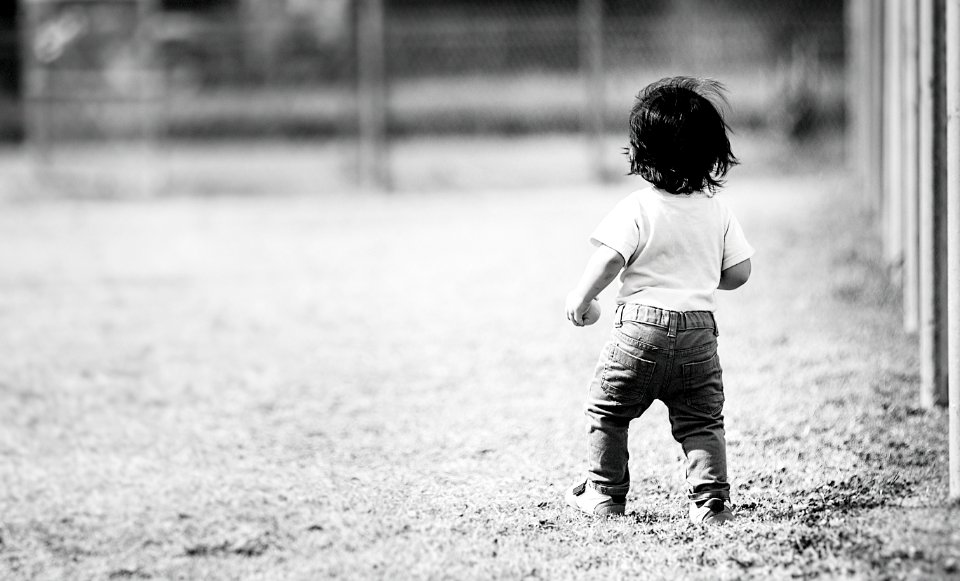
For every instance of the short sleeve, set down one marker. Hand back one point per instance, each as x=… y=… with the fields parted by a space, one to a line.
x=736 y=249
x=620 y=229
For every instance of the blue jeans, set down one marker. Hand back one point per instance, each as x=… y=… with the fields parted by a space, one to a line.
x=670 y=356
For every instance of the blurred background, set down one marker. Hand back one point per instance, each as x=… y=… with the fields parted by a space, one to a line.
x=146 y=97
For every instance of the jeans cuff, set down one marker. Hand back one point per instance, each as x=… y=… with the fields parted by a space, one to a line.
x=708 y=494
x=610 y=490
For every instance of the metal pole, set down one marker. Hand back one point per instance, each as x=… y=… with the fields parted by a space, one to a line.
x=855 y=99
x=864 y=100
x=35 y=86
x=372 y=96
x=875 y=122
x=932 y=229
x=591 y=68
x=953 y=239
x=148 y=89
x=910 y=88
x=893 y=150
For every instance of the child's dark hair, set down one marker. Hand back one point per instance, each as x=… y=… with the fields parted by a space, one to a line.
x=679 y=137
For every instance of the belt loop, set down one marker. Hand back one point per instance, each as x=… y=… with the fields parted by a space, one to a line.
x=716 y=329
x=673 y=319
x=619 y=318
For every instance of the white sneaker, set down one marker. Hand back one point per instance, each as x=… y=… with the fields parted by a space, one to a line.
x=713 y=512
x=593 y=502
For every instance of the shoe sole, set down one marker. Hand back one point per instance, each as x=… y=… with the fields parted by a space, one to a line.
x=615 y=510
x=713 y=519
x=718 y=519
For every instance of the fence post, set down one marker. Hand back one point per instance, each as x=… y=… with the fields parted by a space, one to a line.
x=854 y=12
x=932 y=227
x=953 y=238
x=875 y=121
x=909 y=113
x=373 y=163
x=591 y=69
x=150 y=93
x=877 y=108
x=863 y=96
x=35 y=86
x=893 y=152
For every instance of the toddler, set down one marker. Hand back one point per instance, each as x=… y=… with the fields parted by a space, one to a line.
x=673 y=243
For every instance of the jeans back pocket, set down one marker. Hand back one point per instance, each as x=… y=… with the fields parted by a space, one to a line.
x=626 y=378
x=703 y=385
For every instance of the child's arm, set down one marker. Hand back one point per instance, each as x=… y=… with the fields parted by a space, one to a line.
x=735 y=276
x=601 y=269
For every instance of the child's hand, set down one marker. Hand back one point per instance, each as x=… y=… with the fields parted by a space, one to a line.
x=602 y=268
x=576 y=308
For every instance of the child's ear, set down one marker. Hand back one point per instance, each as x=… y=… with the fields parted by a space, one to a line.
x=632 y=154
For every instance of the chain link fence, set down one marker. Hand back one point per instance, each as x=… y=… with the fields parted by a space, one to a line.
x=519 y=65
x=456 y=76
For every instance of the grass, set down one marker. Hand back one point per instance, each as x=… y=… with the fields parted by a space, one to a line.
x=361 y=386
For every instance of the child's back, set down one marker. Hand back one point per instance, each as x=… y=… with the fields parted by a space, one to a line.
x=674 y=246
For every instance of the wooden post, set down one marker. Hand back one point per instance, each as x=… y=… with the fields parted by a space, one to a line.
x=591 y=69
x=953 y=239
x=374 y=171
x=893 y=150
x=932 y=198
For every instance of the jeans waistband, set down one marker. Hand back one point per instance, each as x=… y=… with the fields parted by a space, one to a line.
x=679 y=320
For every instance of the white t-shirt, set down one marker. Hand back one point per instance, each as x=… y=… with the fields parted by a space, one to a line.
x=674 y=246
